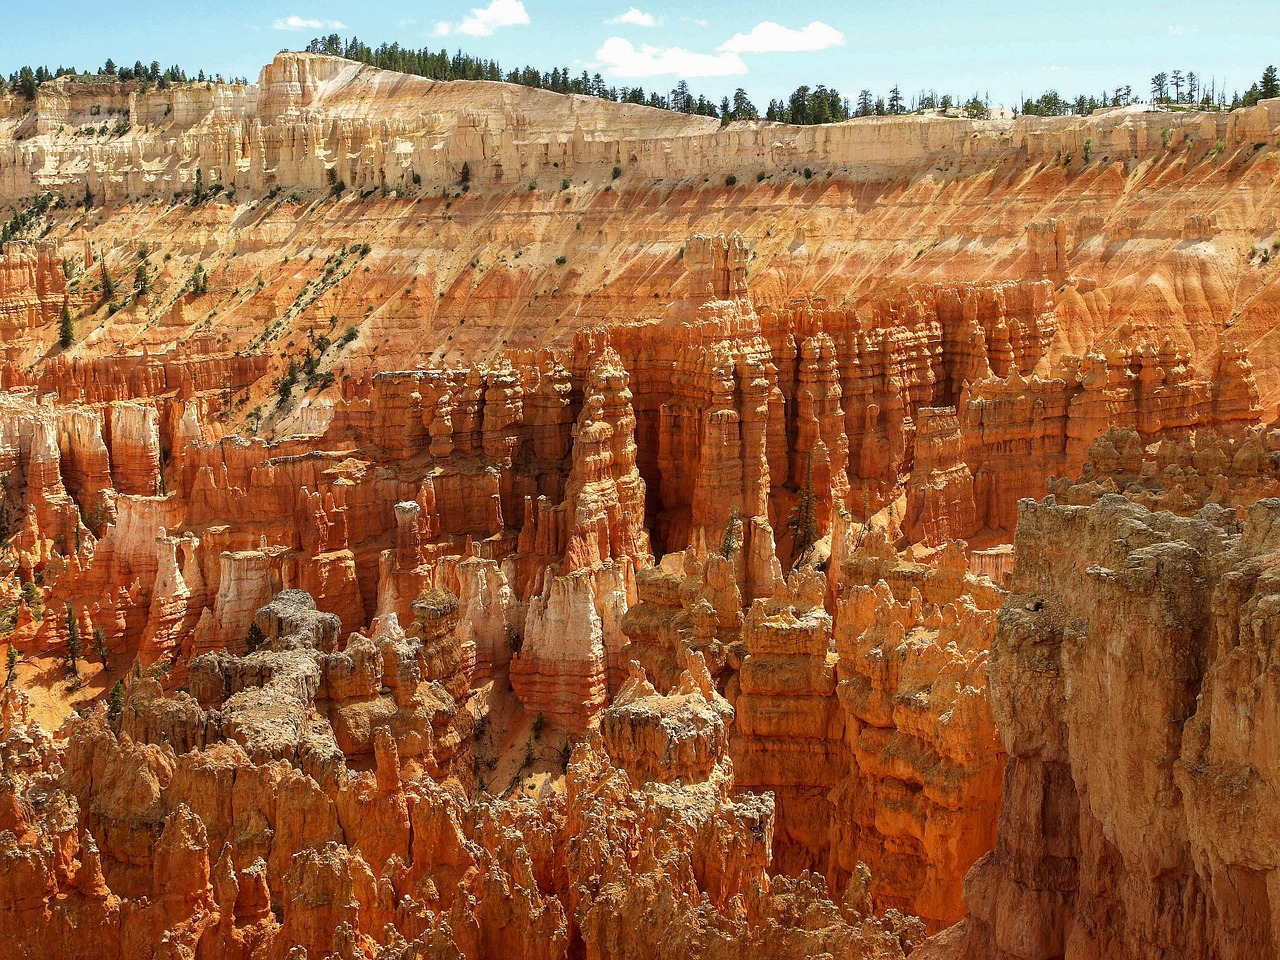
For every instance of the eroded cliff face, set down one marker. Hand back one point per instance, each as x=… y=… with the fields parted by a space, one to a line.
x=244 y=825
x=502 y=570
x=1129 y=681
x=311 y=114
x=511 y=511
x=1129 y=217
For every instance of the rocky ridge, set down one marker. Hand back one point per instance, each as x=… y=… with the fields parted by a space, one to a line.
x=1133 y=846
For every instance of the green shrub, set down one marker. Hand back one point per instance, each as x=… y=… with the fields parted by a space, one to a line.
x=66 y=331
x=287 y=382
x=730 y=180
x=115 y=702
x=199 y=282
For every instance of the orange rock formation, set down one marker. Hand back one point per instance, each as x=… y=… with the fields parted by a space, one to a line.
x=1132 y=845
x=426 y=571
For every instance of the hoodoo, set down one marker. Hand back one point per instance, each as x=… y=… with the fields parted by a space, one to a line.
x=449 y=518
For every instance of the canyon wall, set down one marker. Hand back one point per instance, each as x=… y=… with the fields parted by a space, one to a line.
x=530 y=496
x=491 y=569
x=1152 y=624
x=312 y=120
x=311 y=221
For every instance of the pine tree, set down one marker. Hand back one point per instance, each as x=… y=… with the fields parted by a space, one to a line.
x=74 y=647
x=198 y=193
x=798 y=105
x=1270 y=85
x=743 y=108
x=975 y=109
x=141 y=280
x=819 y=107
x=27 y=83
x=465 y=178
x=66 y=332
x=681 y=99
x=1159 y=87
x=100 y=644
x=732 y=535
x=115 y=701
x=11 y=663
x=803 y=522
x=108 y=285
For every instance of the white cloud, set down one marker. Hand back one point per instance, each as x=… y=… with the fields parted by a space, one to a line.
x=770 y=37
x=484 y=20
x=636 y=18
x=295 y=22
x=620 y=58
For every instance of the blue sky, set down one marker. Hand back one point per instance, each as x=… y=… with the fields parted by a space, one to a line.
x=999 y=47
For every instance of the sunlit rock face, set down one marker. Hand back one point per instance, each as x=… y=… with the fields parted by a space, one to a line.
x=608 y=559
x=1120 y=618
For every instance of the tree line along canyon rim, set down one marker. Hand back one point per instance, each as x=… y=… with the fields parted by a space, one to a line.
x=460 y=519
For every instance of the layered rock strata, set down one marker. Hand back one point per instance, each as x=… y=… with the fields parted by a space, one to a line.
x=1133 y=845
x=246 y=137
x=923 y=788
x=469 y=451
